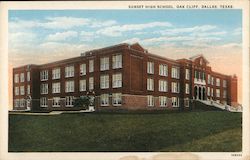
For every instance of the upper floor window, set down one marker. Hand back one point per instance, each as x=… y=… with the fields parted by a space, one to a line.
x=224 y=93
x=91 y=83
x=91 y=66
x=187 y=88
x=117 y=80
x=44 y=88
x=203 y=76
x=28 y=76
x=224 y=83
x=83 y=69
x=56 y=87
x=104 y=81
x=56 y=73
x=150 y=67
x=212 y=92
x=208 y=79
x=28 y=89
x=212 y=80
x=163 y=70
x=44 y=75
x=117 y=61
x=208 y=91
x=16 y=78
x=150 y=84
x=104 y=64
x=22 y=91
x=176 y=72
x=16 y=91
x=175 y=87
x=163 y=86
x=82 y=85
x=69 y=71
x=217 y=93
x=187 y=74
x=69 y=86
x=217 y=82
x=22 y=77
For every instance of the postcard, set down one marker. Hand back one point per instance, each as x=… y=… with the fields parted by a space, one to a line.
x=125 y=80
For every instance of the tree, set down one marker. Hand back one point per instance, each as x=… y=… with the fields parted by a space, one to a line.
x=83 y=101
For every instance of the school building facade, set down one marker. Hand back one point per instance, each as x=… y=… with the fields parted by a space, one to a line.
x=122 y=76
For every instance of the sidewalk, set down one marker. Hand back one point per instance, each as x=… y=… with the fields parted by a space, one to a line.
x=50 y=113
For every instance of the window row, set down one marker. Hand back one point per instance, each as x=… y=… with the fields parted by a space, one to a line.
x=19 y=103
x=21 y=90
x=163 y=70
x=164 y=101
x=210 y=92
x=18 y=79
x=163 y=86
x=210 y=80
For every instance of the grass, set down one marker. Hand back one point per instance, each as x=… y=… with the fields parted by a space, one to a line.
x=188 y=131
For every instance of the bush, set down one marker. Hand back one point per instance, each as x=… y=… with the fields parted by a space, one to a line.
x=82 y=102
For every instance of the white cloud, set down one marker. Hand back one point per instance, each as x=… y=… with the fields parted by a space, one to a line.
x=62 y=36
x=132 y=40
x=232 y=45
x=97 y=23
x=117 y=30
x=237 y=31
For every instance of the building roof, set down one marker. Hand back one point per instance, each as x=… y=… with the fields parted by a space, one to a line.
x=198 y=56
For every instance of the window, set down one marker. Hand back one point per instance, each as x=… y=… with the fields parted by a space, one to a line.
x=44 y=75
x=187 y=88
x=44 y=88
x=175 y=101
x=91 y=83
x=16 y=78
x=22 y=102
x=69 y=102
x=16 y=103
x=187 y=74
x=104 y=82
x=117 y=80
x=117 y=99
x=56 y=73
x=69 y=86
x=56 y=87
x=69 y=71
x=217 y=82
x=163 y=70
x=56 y=102
x=212 y=80
x=28 y=76
x=104 y=64
x=22 y=91
x=163 y=86
x=217 y=93
x=175 y=87
x=22 y=77
x=43 y=102
x=83 y=69
x=91 y=66
x=224 y=93
x=186 y=102
x=16 y=91
x=176 y=72
x=208 y=91
x=150 y=67
x=117 y=61
x=203 y=76
x=151 y=102
x=150 y=84
x=212 y=92
x=104 y=100
x=224 y=83
x=82 y=86
x=196 y=74
x=208 y=79
x=163 y=101
x=28 y=89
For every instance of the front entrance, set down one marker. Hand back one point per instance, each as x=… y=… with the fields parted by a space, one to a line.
x=200 y=92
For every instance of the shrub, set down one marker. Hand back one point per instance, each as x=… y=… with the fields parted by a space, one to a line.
x=82 y=102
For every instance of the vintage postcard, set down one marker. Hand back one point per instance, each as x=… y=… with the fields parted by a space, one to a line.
x=132 y=80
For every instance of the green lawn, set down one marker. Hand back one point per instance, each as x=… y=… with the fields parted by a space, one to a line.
x=188 y=131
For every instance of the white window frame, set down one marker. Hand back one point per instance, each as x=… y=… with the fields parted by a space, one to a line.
x=212 y=92
x=43 y=102
x=28 y=89
x=22 y=102
x=56 y=102
x=69 y=101
x=16 y=91
x=104 y=63
x=44 y=75
x=104 y=100
x=187 y=88
x=56 y=87
x=82 y=85
x=217 y=82
x=217 y=93
x=163 y=85
x=22 y=90
x=16 y=79
x=175 y=87
x=224 y=83
x=83 y=69
x=104 y=81
x=151 y=101
x=16 y=103
x=163 y=101
x=175 y=72
x=69 y=71
x=117 y=80
x=44 y=88
x=150 y=84
x=208 y=79
x=224 y=93
x=163 y=70
x=91 y=66
x=56 y=73
x=150 y=67
x=117 y=61
x=28 y=76
x=69 y=86
x=117 y=99
x=22 y=78
x=91 y=83
x=187 y=74
x=175 y=102
x=208 y=91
